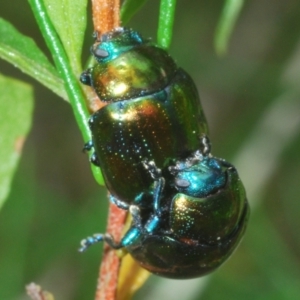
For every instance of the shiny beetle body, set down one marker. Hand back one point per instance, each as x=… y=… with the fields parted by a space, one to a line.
x=189 y=209
x=197 y=232
x=153 y=112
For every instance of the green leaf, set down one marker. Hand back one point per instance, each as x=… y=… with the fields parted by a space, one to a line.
x=130 y=8
x=69 y=20
x=73 y=89
x=16 y=106
x=23 y=53
x=226 y=24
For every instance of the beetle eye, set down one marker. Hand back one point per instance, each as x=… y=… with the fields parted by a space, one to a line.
x=181 y=183
x=101 y=53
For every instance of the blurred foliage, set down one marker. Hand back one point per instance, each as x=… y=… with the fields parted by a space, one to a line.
x=129 y=8
x=23 y=53
x=231 y=11
x=251 y=99
x=15 y=124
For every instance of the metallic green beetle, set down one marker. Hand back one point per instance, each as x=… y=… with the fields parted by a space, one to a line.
x=190 y=230
x=153 y=112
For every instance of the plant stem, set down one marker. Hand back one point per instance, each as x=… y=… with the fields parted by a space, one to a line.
x=105 y=18
x=106 y=15
x=165 y=23
x=110 y=265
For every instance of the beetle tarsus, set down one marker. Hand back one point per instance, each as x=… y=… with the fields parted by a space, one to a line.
x=97 y=238
x=88 y=146
x=89 y=241
x=94 y=160
x=205 y=144
x=152 y=169
x=85 y=77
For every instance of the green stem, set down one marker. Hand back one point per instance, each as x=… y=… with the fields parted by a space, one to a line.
x=165 y=23
x=73 y=89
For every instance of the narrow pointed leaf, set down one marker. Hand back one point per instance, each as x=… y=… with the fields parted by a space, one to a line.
x=16 y=106
x=23 y=53
x=69 y=19
x=71 y=81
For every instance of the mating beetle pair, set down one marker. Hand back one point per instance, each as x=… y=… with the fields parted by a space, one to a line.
x=189 y=208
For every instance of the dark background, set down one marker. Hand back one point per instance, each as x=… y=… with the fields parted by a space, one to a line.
x=251 y=99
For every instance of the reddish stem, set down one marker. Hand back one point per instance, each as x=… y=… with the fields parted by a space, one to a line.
x=106 y=15
x=109 y=270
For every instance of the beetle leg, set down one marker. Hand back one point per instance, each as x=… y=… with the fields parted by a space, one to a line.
x=136 y=215
x=97 y=238
x=206 y=145
x=194 y=158
x=86 y=77
x=130 y=236
x=155 y=218
x=159 y=184
x=119 y=203
x=137 y=230
x=94 y=159
x=158 y=189
x=88 y=146
x=152 y=169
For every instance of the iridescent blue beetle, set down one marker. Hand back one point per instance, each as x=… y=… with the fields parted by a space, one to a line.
x=194 y=223
x=189 y=208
